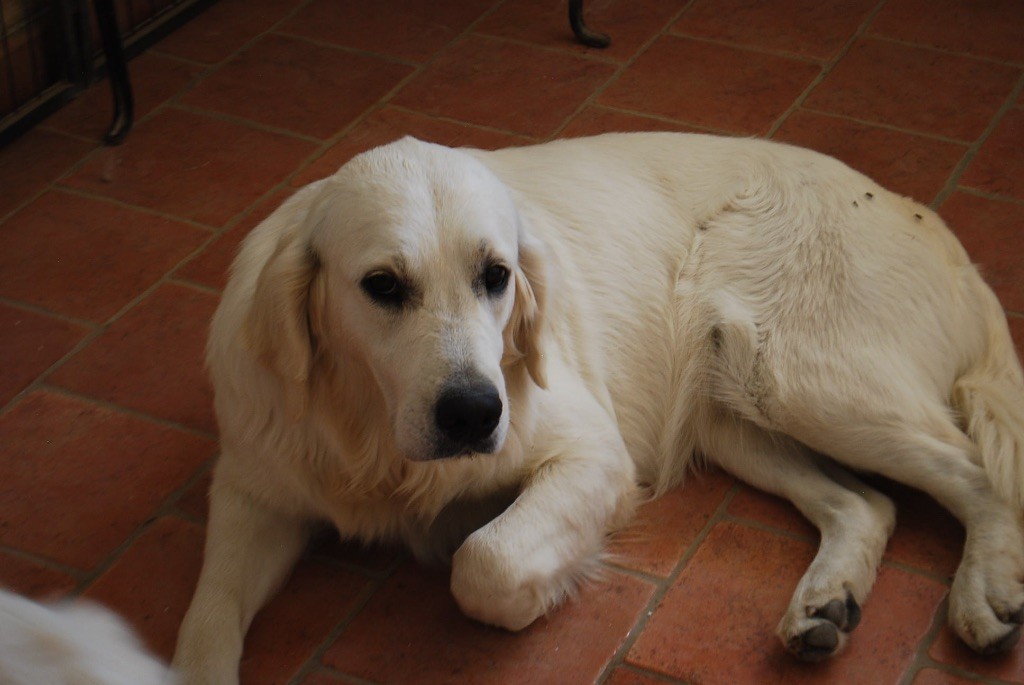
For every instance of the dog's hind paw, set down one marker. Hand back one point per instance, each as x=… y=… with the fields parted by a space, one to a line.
x=823 y=631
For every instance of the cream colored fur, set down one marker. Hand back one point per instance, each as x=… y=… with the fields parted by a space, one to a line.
x=71 y=643
x=672 y=296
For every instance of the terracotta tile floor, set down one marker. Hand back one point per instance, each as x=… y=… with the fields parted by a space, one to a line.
x=111 y=260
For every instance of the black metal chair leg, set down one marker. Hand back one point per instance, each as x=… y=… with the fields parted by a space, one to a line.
x=584 y=34
x=117 y=69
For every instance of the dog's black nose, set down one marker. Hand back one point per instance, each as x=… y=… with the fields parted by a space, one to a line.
x=468 y=415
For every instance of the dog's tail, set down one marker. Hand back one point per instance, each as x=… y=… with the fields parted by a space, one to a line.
x=990 y=400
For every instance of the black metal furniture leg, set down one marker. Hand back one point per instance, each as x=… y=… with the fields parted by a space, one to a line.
x=117 y=68
x=584 y=34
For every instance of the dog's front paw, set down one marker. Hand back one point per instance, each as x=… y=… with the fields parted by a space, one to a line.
x=492 y=586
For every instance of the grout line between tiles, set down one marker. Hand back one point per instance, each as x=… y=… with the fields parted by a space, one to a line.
x=622 y=67
x=315 y=660
x=994 y=61
x=174 y=279
x=746 y=47
x=40 y=380
x=664 y=584
x=889 y=127
x=92 y=195
x=925 y=643
x=826 y=69
x=342 y=676
x=108 y=562
x=975 y=147
x=242 y=121
x=121 y=409
x=989 y=196
x=164 y=510
x=345 y=48
x=567 y=51
x=76 y=574
x=664 y=119
x=923 y=659
x=36 y=309
x=651 y=675
x=155 y=50
x=480 y=127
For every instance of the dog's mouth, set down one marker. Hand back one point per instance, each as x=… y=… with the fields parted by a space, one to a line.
x=446 y=449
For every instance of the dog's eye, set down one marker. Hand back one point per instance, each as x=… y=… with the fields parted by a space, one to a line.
x=495 y=279
x=384 y=287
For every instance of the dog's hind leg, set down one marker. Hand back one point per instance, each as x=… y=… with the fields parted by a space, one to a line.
x=986 y=602
x=855 y=522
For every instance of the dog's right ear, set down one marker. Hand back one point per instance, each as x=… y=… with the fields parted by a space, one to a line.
x=281 y=325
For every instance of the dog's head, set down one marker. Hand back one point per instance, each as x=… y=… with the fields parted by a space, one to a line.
x=412 y=280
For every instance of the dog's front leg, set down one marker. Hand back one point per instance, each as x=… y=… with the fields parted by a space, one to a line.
x=249 y=551
x=528 y=559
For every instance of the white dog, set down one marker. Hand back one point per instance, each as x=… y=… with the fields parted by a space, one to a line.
x=410 y=345
x=71 y=643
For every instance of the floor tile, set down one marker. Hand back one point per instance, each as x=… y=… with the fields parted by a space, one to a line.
x=29 y=344
x=33 y=580
x=932 y=676
x=999 y=166
x=210 y=267
x=1017 y=331
x=283 y=635
x=769 y=510
x=407 y=29
x=194 y=503
x=325 y=678
x=948 y=649
x=809 y=28
x=624 y=676
x=412 y=631
x=32 y=162
x=725 y=605
x=316 y=599
x=629 y=23
x=927 y=537
x=152 y=583
x=193 y=166
x=993 y=233
x=665 y=528
x=151 y=359
x=80 y=478
x=711 y=85
x=87 y=258
x=292 y=84
x=986 y=29
x=595 y=120
x=224 y=28
x=155 y=79
x=885 y=82
x=905 y=163
x=504 y=84
x=390 y=124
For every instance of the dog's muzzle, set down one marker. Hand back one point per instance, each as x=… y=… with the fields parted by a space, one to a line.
x=465 y=417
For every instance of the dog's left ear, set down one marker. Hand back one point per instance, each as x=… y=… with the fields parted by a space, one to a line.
x=523 y=332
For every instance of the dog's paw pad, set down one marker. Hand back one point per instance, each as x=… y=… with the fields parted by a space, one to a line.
x=844 y=615
x=816 y=643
